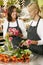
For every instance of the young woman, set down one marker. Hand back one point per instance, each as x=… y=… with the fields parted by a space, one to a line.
x=35 y=31
x=12 y=21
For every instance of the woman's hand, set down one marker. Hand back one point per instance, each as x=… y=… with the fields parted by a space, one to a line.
x=26 y=43
x=29 y=42
x=34 y=42
x=20 y=35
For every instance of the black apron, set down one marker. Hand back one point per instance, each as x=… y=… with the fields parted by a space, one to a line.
x=16 y=39
x=32 y=35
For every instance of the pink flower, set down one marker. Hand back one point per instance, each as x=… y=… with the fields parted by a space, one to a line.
x=16 y=33
x=10 y=30
x=10 y=38
x=28 y=42
x=13 y=31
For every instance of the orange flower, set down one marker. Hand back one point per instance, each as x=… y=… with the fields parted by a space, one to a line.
x=13 y=58
x=4 y=58
x=1 y=57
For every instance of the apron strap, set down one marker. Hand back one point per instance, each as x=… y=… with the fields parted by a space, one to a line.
x=29 y=26
x=17 y=23
x=8 y=26
x=38 y=22
x=18 y=26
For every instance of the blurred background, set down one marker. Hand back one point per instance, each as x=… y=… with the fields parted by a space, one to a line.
x=20 y=4
x=21 y=8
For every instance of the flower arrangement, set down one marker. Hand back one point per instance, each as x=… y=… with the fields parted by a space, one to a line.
x=14 y=55
x=8 y=38
x=18 y=55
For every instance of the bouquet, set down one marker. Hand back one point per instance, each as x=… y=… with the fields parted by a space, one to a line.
x=13 y=31
x=8 y=42
x=14 y=55
x=17 y=55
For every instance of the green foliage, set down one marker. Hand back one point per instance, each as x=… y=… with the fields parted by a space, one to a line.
x=18 y=10
x=34 y=1
x=11 y=2
x=8 y=44
x=19 y=52
x=2 y=49
x=1 y=2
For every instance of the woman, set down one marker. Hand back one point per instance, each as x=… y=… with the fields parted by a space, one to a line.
x=35 y=32
x=12 y=21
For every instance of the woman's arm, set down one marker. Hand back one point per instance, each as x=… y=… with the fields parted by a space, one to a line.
x=29 y=42
x=34 y=42
x=40 y=32
x=23 y=28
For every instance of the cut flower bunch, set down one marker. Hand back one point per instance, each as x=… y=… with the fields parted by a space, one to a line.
x=14 y=55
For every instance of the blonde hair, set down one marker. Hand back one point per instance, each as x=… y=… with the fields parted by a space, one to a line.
x=34 y=6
